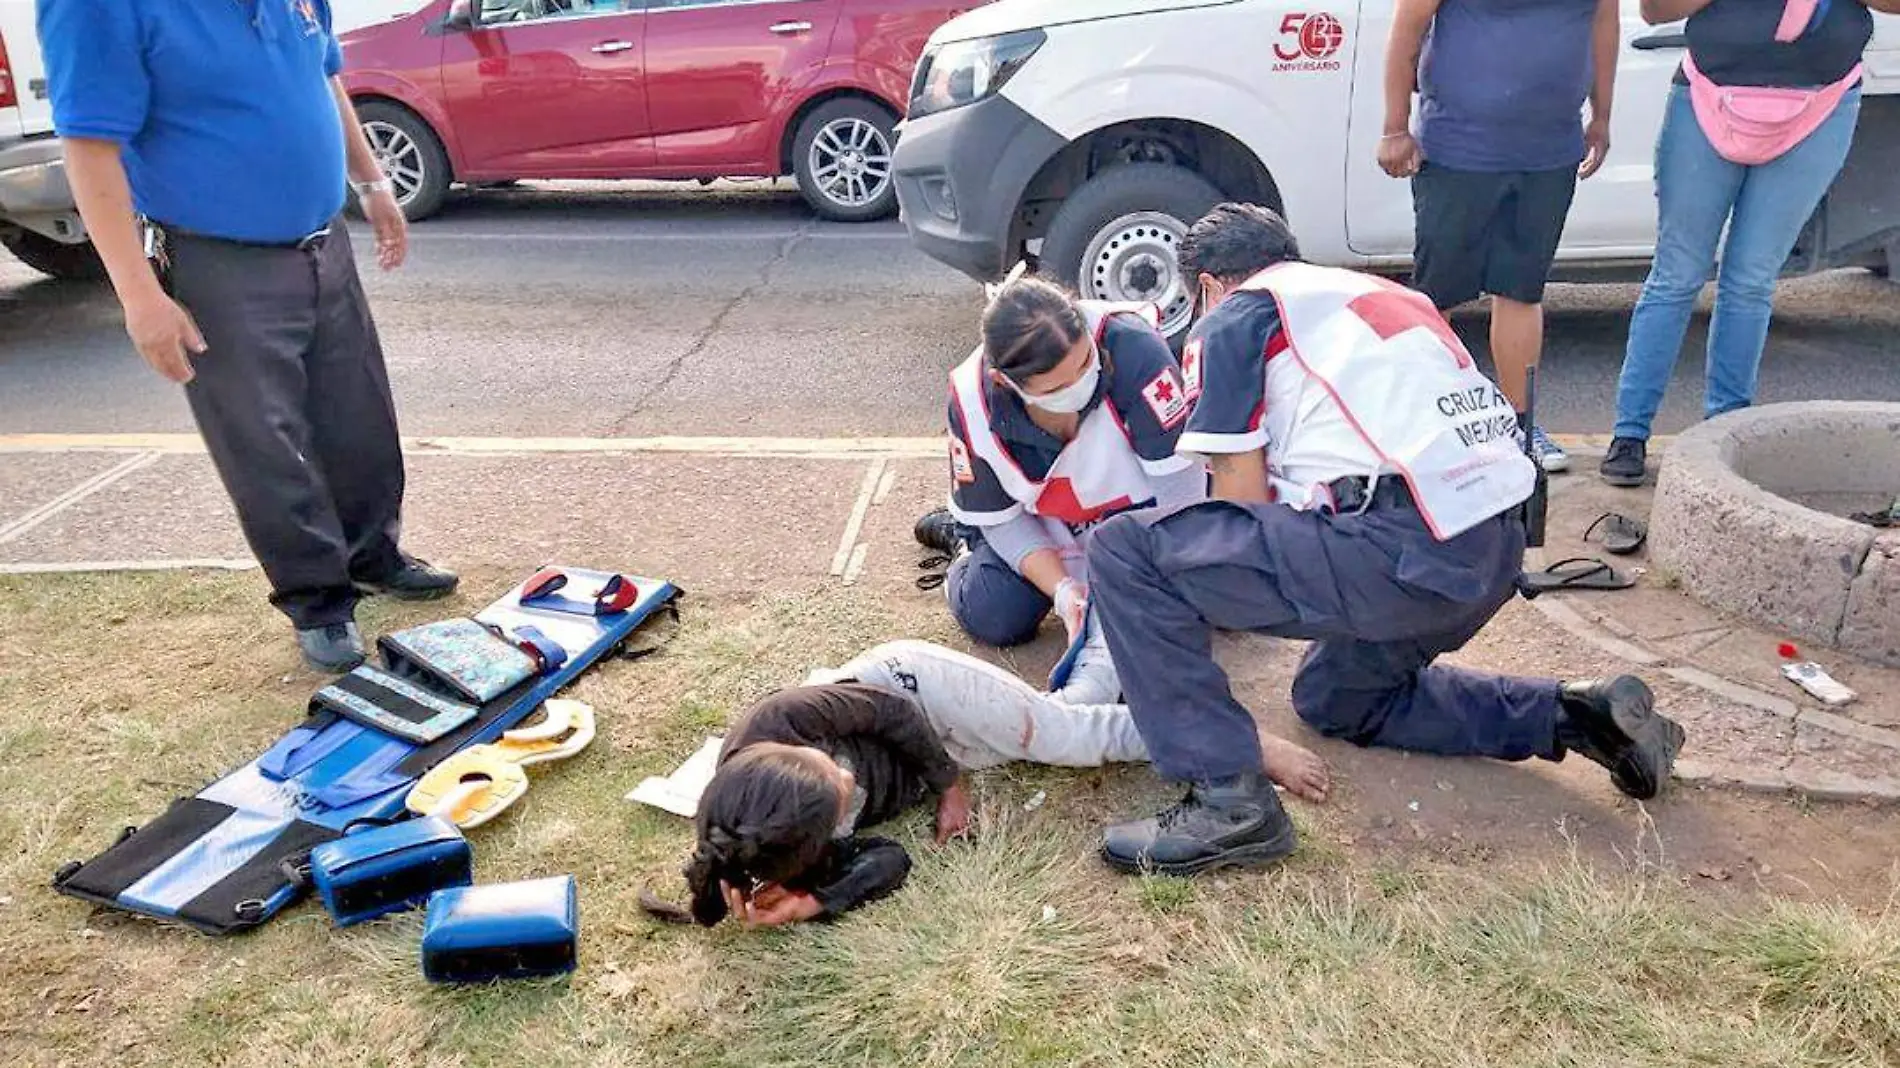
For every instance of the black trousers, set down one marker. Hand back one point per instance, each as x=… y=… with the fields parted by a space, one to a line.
x=293 y=401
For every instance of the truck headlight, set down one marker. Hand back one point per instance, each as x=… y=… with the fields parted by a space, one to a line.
x=964 y=72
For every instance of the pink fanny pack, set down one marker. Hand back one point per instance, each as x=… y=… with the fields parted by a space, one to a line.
x=1752 y=125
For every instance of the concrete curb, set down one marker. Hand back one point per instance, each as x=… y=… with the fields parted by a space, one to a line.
x=1821 y=785
x=1725 y=523
x=1816 y=784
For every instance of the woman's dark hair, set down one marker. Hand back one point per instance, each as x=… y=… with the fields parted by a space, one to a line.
x=767 y=816
x=1030 y=327
x=1234 y=242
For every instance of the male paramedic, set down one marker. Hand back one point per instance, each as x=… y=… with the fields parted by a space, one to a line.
x=206 y=143
x=1366 y=491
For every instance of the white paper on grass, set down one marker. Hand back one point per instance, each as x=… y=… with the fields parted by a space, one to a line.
x=679 y=792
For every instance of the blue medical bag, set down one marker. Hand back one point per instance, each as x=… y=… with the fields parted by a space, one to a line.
x=503 y=931
x=374 y=873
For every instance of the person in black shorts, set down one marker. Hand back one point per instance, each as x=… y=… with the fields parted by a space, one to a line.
x=1500 y=146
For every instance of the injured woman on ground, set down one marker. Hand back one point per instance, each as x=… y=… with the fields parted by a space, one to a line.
x=807 y=768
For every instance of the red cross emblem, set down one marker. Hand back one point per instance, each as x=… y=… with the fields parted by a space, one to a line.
x=1393 y=310
x=1058 y=501
x=1165 y=399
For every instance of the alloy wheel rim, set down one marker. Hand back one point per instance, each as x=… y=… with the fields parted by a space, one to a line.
x=399 y=157
x=850 y=162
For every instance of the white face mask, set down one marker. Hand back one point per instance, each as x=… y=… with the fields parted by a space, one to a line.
x=1069 y=399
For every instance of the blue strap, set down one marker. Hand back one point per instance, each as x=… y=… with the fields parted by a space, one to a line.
x=550 y=653
x=302 y=748
x=1059 y=675
x=376 y=775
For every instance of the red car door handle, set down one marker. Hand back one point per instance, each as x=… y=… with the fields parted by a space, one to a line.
x=610 y=47
x=791 y=27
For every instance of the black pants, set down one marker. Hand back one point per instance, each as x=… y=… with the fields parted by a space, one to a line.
x=1481 y=232
x=293 y=401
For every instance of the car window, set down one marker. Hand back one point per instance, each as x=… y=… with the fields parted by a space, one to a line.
x=507 y=11
x=656 y=5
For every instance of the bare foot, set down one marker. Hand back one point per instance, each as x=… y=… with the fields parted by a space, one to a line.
x=1295 y=767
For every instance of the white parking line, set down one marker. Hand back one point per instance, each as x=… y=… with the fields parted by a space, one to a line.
x=856 y=567
x=847 y=448
x=758 y=448
x=855 y=524
x=424 y=235
x=86 y=566
x=20 y=527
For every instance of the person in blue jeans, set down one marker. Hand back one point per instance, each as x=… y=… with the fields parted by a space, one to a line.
x=1700 y=192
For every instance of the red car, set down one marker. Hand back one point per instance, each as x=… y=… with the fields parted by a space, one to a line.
x=491 y=91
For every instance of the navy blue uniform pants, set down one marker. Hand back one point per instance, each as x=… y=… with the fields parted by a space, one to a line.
x=1378 y=597
x=991 y=602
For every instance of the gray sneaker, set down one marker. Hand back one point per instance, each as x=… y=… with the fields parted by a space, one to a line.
x=1550 y=455
x=1626 y=464
x=336 y=648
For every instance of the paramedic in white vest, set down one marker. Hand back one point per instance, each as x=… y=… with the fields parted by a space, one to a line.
x=1366 y=489
x=1068 y=413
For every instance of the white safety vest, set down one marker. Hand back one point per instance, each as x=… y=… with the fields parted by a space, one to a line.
x=1096 y=474
x=1410 y=395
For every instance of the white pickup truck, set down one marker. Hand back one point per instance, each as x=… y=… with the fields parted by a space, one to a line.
x=1081 y=136
x=38 y=222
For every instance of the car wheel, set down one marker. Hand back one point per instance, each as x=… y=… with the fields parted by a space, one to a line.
x=1114 y=239
x=410 y=154
x=71 y=263
x=842 y=158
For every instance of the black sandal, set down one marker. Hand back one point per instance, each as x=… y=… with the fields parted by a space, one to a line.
x=1576 y=573
x=1622 y=535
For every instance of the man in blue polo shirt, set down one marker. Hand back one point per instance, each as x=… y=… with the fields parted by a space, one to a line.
x=208 y=145
x=1500 y=144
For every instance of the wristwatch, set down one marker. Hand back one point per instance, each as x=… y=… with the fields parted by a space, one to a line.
x=380 y=185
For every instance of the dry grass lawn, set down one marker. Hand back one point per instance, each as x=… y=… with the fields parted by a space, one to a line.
x=118 y=693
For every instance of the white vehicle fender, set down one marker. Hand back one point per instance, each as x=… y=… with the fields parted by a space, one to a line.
x=1086 y=79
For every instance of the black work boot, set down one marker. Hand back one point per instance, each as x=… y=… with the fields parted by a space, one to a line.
x=1626 y=463
x=937 y=531
x=1614 y=722
x=337 y=647
x=415 y=580
x=1220 y=824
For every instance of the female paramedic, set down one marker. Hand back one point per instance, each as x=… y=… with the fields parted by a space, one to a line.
x=1066 y=415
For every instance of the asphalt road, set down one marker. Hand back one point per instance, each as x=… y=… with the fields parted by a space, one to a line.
x=676 y=310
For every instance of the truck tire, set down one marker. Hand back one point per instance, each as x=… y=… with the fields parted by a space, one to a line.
x=1114 y=238
x=842 y=160
x=71 y=263
x=410 y=153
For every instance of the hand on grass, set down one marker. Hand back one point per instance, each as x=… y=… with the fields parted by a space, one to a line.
x=772 y=906
x=953 y=813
